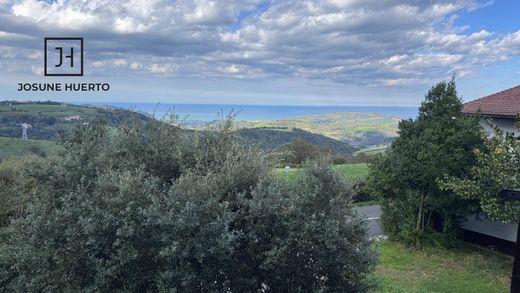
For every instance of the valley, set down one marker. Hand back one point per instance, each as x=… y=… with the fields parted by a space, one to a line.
x=343 y=133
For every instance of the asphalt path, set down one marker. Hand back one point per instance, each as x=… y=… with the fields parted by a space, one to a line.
x=371 y=214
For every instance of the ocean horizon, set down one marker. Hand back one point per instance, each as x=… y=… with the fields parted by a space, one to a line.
x=209 y=112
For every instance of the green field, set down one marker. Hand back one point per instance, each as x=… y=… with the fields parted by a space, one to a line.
x=338 y=125
x=357 y=129
x=57 y=111
x=436 y=270
x=352 y=171
x=371 y=151
x=12 y=147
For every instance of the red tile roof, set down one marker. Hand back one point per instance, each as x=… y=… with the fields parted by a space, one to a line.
x=502 y=104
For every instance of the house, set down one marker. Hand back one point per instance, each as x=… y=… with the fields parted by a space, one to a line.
x=72 y=118
x=503 y=110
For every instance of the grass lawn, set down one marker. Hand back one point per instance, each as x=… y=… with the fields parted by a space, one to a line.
x=467 y=270
x=352 y=171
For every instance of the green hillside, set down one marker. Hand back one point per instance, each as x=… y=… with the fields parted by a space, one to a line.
x=45 y=117
x=272 y=138
x=361 y=130
x=343 y=132
x=12 y=147
x=47 y=109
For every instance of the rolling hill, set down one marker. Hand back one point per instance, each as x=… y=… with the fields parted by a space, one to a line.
x=273 y=137
x=360 y=130
x=44 y=117
x=344 y=133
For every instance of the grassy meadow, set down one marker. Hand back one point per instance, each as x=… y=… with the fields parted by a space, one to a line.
x=14 y=147
x=436 y=270
x=352 y=171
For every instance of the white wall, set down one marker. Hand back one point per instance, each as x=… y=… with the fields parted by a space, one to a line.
x=481 y=224
x=507 y=125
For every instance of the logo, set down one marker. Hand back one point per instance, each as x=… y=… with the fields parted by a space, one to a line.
x=63 y=56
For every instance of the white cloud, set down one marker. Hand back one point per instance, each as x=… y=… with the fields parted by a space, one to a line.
x=135 y=66
x=120 y=62
x=362 y=42
x=38 y=70
x=158 y=68
x=99 y=63
x=232 y=69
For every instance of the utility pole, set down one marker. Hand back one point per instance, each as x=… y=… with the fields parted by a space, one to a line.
x=514 y=194
x=24 y=130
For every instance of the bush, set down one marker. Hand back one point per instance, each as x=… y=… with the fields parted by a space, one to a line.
x=300 y=150
x=309 y=238
x=361 y=192
x=16 y=186
x=153 y=208
x=339 y=159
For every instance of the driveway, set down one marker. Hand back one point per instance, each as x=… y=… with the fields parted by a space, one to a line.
x=371 y=214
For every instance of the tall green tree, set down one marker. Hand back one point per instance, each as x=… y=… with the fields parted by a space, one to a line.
x=497 y=167
x=439 y=141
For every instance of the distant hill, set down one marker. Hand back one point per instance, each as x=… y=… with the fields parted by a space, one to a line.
x=344 y=133
x=44 y=117
x=361 y=130
x=275 y=137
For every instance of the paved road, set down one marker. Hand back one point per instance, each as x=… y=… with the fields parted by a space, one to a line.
x=371 y=214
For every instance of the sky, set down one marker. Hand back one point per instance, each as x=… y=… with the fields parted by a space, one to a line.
x=304 y=52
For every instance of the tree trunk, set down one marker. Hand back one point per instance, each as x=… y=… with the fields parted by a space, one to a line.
x=420 y=214
x=420 y=221
x=429 y=219
x=446 y=223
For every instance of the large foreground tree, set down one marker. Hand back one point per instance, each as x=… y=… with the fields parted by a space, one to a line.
x=149 y=207
x=439 y=142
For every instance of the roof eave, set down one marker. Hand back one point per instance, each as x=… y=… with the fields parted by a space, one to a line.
x=493 y=115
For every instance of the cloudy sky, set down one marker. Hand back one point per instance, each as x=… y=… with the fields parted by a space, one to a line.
x=349 y=52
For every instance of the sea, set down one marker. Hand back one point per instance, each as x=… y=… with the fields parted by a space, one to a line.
x=210 y=112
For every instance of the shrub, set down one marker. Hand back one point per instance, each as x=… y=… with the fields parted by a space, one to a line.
x=339 y=159
x=307 y=235
x=153 y=208
x=301 y=150
x=17 y=186
x=361 y=192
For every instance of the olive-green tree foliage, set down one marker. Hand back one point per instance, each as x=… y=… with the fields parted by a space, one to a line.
x=150 y=207
x=439 y=142
x=16 y=186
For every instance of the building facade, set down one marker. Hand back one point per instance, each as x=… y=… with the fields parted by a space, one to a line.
x=501 y=109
